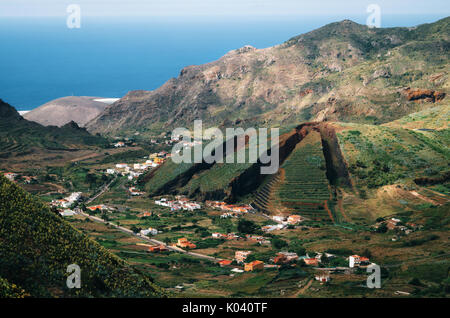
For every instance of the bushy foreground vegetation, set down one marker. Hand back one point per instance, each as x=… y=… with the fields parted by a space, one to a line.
x=37 y=246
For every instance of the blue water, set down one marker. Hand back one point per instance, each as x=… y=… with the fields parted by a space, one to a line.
x=41 y=59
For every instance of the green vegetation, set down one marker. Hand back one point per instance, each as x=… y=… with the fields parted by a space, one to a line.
x=20 y=136
x=380 y=156
x=305 y=187
x=38 y=245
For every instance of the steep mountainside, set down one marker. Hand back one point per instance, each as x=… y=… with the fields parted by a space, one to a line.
x=61 y=111
x=37 y=245
x=318 y=162
x=432 y=118
x=343 y=71
x=18 y=135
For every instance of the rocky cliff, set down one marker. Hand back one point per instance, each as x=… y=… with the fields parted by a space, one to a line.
x=342 y=71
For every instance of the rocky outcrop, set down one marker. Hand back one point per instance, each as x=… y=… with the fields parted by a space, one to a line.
x=426 y=95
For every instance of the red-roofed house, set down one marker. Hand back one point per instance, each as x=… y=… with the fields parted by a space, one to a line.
x=225 y=263
x=311 y=261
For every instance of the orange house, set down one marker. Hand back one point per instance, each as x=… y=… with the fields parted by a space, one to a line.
x=255 y=265
x=154 y=249
x=184 y=243
x=311 y=261
x=225 y=263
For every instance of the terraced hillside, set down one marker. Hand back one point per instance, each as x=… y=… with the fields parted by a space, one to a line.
x=328 y=171
x=37 y=245
x=219 y=180
x=264 y=196
x=304 y=189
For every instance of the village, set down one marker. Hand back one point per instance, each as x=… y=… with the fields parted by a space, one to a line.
x=171 y=225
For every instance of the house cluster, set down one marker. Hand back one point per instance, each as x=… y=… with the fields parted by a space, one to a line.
x=395 y=224
x=11 y=176
x=230 y=210
x=229 y=236
x=67 y=202
x=258 y=239
x=180 y=203
x=184 y=243
x=136 y=169
x=148 y=232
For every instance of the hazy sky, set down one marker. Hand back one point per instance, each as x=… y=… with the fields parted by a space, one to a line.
x=210 y=8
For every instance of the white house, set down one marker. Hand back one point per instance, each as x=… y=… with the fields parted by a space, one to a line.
x=279 y=218
x=357 y=261
x=162 y=202
x=323 y=278
x=67 y=212
x=121 y=165
x=150 y=231
x=75 y=196
x=11 y=176
x=110 y=171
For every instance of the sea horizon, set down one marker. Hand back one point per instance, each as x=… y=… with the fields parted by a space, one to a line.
x=110 y=56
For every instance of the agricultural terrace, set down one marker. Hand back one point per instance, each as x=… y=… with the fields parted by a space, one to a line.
x=305 y=188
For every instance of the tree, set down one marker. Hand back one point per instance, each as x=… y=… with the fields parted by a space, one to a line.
x=278 y=243
x=247 y=227
x=324 y=259
x=367 y=253
x=135 y=229
x=382 y=228
x=296 y=247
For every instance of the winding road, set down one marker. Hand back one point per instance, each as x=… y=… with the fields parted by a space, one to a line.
x=145 y=238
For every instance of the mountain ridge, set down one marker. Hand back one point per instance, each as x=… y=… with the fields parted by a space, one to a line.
x=343 y=71
x=19 y=135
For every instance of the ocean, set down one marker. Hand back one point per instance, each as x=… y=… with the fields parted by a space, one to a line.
x=41 y=59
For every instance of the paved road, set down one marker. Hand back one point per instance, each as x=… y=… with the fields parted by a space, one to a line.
x=104 y=189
